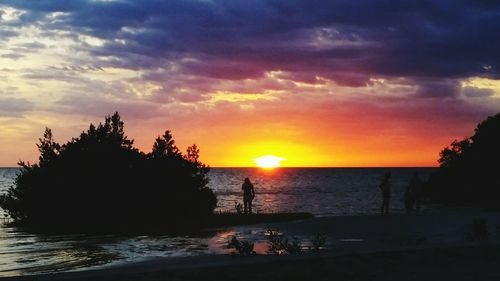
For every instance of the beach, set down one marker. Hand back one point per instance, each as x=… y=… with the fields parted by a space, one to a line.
x=398 y=247
x=249 y=140
x=350 y=193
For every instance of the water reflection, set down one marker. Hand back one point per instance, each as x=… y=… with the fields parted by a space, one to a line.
x=256 y=235
x=26 y=253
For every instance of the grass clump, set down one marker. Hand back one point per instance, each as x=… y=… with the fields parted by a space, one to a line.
x=280 y=245
x=242 y=247
x=478 y=231
x=318 y=242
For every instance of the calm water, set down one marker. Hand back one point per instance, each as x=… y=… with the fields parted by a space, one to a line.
x=326 y=191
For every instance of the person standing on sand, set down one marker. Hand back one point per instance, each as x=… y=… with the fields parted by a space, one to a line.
x=248 y=195
x=385 y=188
x=409 y=200
x=416 y=191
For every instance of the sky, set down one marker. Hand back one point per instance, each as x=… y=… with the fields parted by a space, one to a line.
x=319 y=83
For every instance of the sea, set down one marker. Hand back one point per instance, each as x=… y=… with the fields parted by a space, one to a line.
x=320 y=191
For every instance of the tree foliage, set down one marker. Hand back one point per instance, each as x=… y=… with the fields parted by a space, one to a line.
x=100 y=179
x=468 y=172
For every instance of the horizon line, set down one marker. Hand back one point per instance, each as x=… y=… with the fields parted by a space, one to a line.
x=293 y=167
x=318 y=167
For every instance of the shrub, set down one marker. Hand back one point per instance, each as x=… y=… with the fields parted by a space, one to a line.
x=242 y=247
x=239 y=208
x=100 y=180
x=468 y=169
x=478 y=231
x=280 y=245
x=318 y=242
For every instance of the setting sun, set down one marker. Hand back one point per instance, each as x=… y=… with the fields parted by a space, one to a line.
x=268 y=161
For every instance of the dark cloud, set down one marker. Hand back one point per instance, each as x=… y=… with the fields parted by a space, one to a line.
x=14 y=107
x=13 y=56
x=474 y=92
x=52 y=75
x=32 y=45
x=6 y=34
x=100 y=105
x=437 y=88
x=347 y=41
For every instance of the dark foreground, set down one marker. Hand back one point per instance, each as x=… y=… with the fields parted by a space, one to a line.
x=427 y=247
x=472 y=262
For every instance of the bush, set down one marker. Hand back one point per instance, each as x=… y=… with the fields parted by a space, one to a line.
x=318 y=242
x=101 y=180
x=242 y=247
x=279 y=245
x=478 y=231
x=239 y=208
x=468 y=169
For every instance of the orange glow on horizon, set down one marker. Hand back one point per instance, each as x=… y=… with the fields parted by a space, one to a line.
x=305 y=144
x=240 y=149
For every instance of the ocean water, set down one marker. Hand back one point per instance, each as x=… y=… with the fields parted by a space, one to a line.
x=321 y=191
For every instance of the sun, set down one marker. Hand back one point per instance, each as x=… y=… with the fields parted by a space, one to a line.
x=268 y=161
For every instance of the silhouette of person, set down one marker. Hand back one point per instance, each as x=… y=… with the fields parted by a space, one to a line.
x=409 y=199
x=385 y=188
x=248 y=195
x=415 y=188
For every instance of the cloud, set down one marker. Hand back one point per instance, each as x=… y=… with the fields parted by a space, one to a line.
x=5 y=34
x=101 y=105
x=12 y=56
x=438 y=88
x=374 y=67
x=474 y=92
x=14 y=107
x=236 y=40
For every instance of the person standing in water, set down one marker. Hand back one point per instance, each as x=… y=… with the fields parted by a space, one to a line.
x=385 y=188
x=248 y=195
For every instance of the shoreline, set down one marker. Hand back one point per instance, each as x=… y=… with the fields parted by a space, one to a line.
x=476 y=261
x=349 y=238
x=207 y=224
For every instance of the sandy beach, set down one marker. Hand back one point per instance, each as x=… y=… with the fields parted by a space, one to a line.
x=427 y=247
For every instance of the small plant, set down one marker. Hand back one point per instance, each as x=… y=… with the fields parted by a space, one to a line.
x=276 y=243
x=238 y=207
x=478 y=231
x=318 y=242
x=294 y=247
x=242 y=247
x=279 y=245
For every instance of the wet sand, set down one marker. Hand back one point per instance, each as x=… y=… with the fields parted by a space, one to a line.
x=429 y=247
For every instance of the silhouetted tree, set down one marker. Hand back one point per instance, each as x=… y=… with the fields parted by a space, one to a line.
x=164 y=146
x=193 y=153
x=450 y=155
x=48 y=147
x=468 y=172
x=99 y=180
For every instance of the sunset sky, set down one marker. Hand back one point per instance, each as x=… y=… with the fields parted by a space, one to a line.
x=319 y=83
